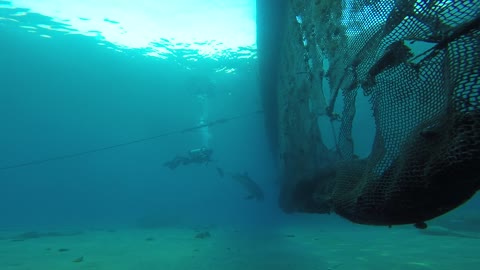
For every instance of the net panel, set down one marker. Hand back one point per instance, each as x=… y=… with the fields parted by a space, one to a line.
x=419 y=64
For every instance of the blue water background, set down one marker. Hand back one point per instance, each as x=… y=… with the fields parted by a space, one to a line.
x=67 y=94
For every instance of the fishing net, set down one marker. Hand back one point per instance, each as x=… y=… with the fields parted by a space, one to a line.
x=418 y=63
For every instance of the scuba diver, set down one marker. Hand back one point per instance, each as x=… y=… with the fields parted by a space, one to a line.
x=201 y=155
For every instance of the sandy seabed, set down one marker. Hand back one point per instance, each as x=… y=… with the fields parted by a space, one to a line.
x=288 y=247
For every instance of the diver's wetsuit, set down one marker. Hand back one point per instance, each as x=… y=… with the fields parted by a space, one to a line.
x=175 y=162
x=202 y=155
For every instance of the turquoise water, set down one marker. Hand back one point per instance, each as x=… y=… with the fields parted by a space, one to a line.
x=92 y=105
x=64 y=92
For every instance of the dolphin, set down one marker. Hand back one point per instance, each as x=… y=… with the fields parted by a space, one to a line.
x=442 y=231
x=253 y=189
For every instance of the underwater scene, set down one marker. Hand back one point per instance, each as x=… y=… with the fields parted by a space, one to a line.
x=144 y=135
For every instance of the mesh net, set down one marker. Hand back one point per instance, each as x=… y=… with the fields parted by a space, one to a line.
x=418 y=62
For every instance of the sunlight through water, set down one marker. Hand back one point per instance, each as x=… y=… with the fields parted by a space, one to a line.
x=162 y=28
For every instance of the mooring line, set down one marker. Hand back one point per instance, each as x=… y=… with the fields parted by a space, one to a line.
x=109 y=147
